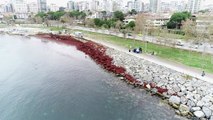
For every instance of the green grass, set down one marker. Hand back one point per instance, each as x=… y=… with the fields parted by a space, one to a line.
x=56 y=28
x=169 y=35
x=3 y=25
x=189 y=58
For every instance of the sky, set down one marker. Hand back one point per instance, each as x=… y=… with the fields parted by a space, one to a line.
x=64 y=2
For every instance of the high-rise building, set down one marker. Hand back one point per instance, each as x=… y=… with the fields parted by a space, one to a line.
x=53 y=8
x=1 y=8
x=138 y=5
x=130 y=5
x=42 y=5
x=194 y=5
x=32 y=7
x=155 y=6
x=71 y=5
x=8 y=8
x=95 y=5
x=107 y=5
x=20 y=9
x=83 y=5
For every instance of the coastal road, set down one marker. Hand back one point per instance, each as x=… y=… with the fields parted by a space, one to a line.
x=166 y=63
x=204 y=47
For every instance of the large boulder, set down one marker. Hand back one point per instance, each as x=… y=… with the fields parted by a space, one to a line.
x=211 y=118
x=174 y=100
x=193 y=109
x=184 y=110
x=199 y=114
x=207 y=112
x=200 y=103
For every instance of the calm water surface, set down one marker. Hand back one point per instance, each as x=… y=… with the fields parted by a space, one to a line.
x=41 y=80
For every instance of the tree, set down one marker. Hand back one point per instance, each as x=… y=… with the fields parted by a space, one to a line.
x=119 y=25
x=98 y=22
x=55 y=15
x=78 y=15
x=104 y=13
x=132 y=12
x=189 y=27
x=131 y=25
x=140 y=23
x=38 y=19
x=41 y=14
x=177 y=18
x=90 y=22
x=118 y=15
x=66 y=19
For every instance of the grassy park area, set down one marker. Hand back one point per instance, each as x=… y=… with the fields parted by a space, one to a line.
x=186 y=57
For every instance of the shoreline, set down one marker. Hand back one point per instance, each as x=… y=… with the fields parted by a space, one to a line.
x=99 y=54
x=178 y=90
x=189 y=97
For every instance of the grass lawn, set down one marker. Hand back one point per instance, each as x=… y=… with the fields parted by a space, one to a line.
x=169 y=35
x=189 y=58
x=53 y=28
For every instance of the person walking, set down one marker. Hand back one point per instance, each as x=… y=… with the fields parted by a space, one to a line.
x=203 y=74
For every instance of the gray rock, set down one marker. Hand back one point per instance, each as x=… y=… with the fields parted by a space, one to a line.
x=190 y=88
x=183 y=89
x=193 y=109
x=211 y=118
x=183 y=100
x=171 y=92
x=199 y=114
x=176 y=88
x=207 y=112
x=197 y=96
x=191 y=103
x=200 y=103
x=174 y=100
x=180 y=93
x=184 y=110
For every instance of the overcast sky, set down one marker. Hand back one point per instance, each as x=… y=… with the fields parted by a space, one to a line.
x=63 y=2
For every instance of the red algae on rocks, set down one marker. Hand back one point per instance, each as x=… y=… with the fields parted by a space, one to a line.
x=98 y=53
x=95 y=51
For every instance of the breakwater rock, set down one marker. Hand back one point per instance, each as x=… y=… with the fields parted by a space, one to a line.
x=189 y=96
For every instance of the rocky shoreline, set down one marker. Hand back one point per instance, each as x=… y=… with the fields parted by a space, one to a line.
x=190 y=97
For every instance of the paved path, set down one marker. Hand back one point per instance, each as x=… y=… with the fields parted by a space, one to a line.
x=169 y=64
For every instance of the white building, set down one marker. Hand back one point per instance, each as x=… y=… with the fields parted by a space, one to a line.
x=155 y=6
x=138 y=5
x=71 y=5
x=95 y=6
x=130 y=5
x=107 y=5
x=20 y=9
x=83 y=5
x=42 y=5
x=194 y=5
x=53 y=7
x=33 y=7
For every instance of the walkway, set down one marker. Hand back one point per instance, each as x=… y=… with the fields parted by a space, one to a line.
x=169 y=64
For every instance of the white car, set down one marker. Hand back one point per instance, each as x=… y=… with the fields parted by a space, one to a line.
x=78 y=34
x=179 y=43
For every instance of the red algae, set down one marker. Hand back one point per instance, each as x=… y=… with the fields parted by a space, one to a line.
x=98 y=53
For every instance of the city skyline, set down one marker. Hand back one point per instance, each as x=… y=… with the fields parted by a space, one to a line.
x=64 y=2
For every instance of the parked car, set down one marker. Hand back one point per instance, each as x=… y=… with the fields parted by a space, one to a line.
x=179 y=43
x=78 y=34
x=196 y=46
x=129 y=34
x=198 y=43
